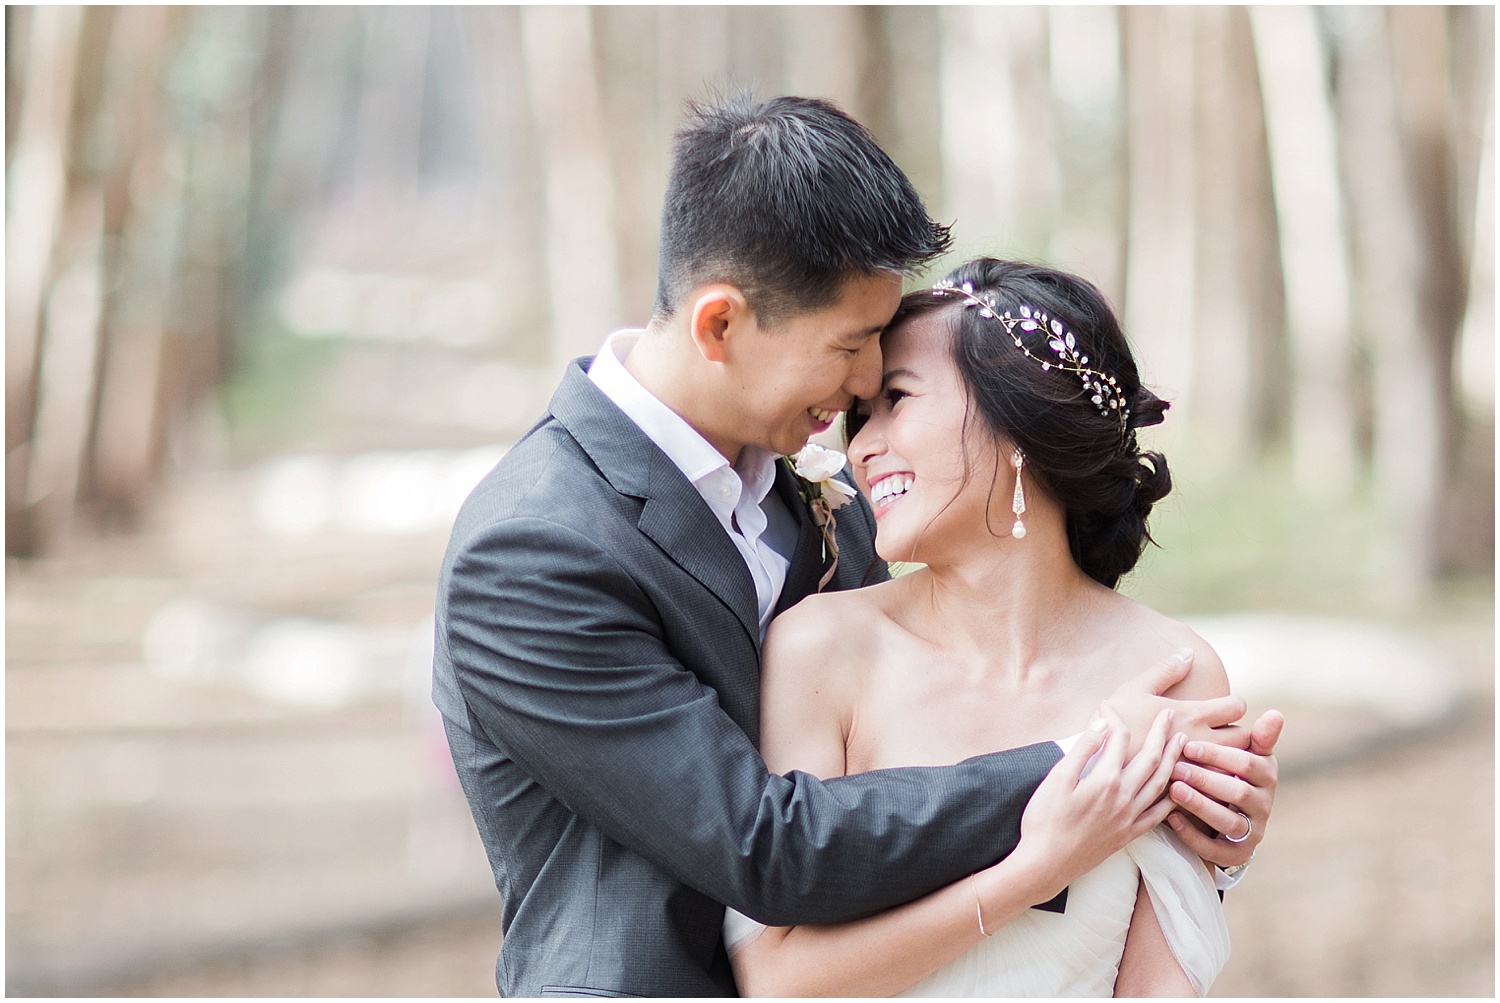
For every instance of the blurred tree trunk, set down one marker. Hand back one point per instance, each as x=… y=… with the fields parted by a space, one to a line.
x=1472 y=30
x=296 y=126
x=978 y=126
x=1222 y=358
x=36 y=189
x=756 y=59
x=387 y=163
x=1396 y=176
x=188 y=81
x=826 y=50
x=65 y=380
x=1238 y=298
x=691 y=47
x=907 y=120
x=1425 y=115
x=1089 y=129
x=583 y=272
x=1300 y=132
x=141 y=183
x=700 y=53
x=309 y=121
x=1468 y=516
x=1475 y=358
x=215 y=271
x=1038 y=176
x=17 y=31
x=510 y=158
x=1259 y=251
x=1160 y=281
x=638 y=127
x=1428 y=109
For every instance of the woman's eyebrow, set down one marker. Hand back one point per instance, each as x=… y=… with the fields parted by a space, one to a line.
x=891 y=374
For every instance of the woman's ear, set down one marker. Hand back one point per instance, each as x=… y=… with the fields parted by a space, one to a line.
x=719 y=310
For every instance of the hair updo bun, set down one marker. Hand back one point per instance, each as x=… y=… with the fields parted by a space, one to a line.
x=1087 y=460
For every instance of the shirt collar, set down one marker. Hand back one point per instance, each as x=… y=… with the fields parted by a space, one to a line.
x=688 y=450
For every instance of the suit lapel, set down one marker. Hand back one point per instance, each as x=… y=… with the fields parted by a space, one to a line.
x=683 y=525
x=673 y=515
x=808 y=560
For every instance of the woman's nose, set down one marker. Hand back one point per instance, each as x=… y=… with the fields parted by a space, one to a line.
x=868 y=443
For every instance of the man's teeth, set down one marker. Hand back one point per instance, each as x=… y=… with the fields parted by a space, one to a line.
x=824 y=417
x=891 y=487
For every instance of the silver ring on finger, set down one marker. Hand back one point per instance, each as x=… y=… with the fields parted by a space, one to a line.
x=1249 y=828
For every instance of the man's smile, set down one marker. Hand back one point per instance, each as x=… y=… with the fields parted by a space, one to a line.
x=823 y=416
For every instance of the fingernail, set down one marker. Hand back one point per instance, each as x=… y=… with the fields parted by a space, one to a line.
x=1193 y=750
x=1175 y=822
x=1180 y=772
x=1170 y=715
x=1183 y=655
x=1098 y=724
x=1181 y=793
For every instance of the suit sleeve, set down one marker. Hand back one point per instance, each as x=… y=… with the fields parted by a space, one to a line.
x=561 y=663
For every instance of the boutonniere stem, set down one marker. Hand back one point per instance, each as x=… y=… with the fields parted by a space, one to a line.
x=815 y=467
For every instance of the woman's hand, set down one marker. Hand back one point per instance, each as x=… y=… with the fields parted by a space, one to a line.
x=1074 y=822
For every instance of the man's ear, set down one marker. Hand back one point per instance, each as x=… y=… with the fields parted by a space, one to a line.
x=718 y=311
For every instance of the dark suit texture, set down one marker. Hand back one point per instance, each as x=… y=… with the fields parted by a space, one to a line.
x=597 y=668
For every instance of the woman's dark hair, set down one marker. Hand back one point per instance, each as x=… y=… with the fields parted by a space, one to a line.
x=788 y=200
x=1081 y=458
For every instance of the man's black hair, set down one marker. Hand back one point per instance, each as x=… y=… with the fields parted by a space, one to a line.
x=787 y=200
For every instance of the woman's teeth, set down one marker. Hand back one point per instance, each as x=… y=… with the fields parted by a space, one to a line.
x=891 y=487
x=823 y=417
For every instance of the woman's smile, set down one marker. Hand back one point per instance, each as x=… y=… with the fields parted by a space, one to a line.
x=887 y=489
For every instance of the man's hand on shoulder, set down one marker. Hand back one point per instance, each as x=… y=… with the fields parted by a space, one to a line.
x=1202 y=707
x=1244 y=780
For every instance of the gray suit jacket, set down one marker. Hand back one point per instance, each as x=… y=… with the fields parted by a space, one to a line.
x=597 y=669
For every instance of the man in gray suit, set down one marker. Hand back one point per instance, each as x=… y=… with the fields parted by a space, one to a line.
x=607 y=587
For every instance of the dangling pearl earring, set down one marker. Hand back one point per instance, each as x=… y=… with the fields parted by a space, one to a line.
x=1018 y=500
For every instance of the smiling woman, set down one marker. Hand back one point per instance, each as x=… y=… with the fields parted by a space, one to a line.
x=1000 y=454
x=1068 y=411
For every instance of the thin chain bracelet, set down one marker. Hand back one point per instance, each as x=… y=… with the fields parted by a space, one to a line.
x=979 y=906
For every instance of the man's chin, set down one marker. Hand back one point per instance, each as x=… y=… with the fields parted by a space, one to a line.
x=794 y=446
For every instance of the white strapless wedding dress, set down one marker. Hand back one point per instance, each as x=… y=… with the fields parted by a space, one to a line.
x=1077 y=952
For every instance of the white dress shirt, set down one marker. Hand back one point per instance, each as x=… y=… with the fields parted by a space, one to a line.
x=740 y=496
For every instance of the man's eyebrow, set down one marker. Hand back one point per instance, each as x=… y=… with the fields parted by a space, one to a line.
x=866 y=333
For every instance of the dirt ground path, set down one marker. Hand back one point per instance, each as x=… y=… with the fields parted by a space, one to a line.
x=1377 y=880
x=1377 y=877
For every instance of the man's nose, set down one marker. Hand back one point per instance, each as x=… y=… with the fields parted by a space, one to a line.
x=864 y=377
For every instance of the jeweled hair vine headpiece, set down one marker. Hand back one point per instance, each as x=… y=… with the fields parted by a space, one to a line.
x=1100 y=387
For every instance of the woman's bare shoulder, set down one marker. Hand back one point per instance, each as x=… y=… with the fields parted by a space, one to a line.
x=833 y=631
x=1160 y=635
x=811 y=674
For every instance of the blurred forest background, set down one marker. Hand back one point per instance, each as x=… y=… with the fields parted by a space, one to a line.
x=282 y=283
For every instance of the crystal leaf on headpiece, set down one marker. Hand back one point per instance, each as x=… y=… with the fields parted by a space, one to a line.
x=1059 y=339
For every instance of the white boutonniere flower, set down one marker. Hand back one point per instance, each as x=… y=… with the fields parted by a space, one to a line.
x=815 y=466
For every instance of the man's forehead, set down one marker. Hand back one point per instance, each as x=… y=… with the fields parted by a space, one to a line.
x=872 y=298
